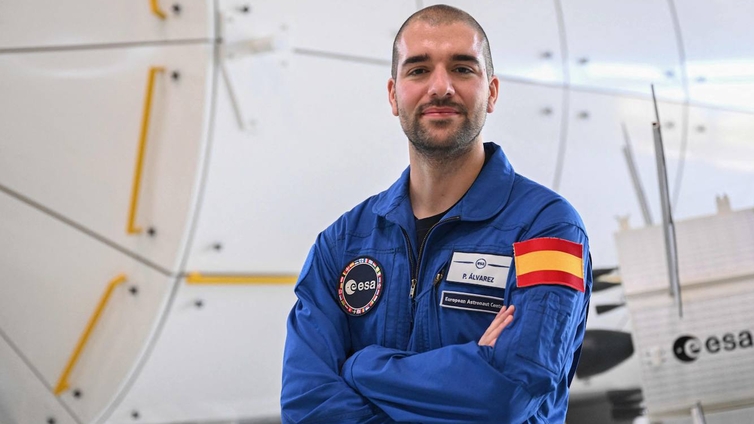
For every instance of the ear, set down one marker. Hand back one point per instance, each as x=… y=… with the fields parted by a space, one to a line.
x=391 y=96
x=492 y=99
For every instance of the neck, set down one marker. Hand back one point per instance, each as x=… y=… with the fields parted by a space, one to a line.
x=435 y=186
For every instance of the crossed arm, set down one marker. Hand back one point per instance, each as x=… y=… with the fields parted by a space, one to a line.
x=494 y=379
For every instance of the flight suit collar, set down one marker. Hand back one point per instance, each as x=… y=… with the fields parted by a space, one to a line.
x=486 y=197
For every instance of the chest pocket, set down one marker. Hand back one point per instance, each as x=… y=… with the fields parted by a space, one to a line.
x=470 y=293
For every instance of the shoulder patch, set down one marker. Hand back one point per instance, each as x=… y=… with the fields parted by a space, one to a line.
x=360 y=286
x=549 y=261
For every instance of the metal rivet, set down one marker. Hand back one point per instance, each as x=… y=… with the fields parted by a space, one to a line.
x=217 y=246
x=701 y=128
x=134 y=290
x=135 y=415
x=177 y=9
x=584 y=115
x=583 y=61
x=77 y=394
x=51 y=420
x=245 y=8
x=198 y=303
x=670 y=125
x=175 y=75
x=151 y=231
x=546 y=55
x=546 y=111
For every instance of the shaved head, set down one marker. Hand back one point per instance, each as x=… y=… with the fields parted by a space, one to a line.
x=444 y=15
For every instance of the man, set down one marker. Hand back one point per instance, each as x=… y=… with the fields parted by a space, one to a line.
x=402 y=302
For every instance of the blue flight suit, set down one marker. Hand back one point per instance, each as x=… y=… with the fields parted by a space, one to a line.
x=413 y=359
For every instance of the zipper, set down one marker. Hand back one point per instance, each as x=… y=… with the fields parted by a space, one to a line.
x=439 y=276
x=415 y=265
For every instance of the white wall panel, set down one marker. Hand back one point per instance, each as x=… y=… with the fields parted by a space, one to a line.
x=322 y=140
x=50 y=23
x=526 y=123
x=53 y=279
x=69 y=136
x=23 y=397
x=720 y=160
x=355 y=28
x=596 y=179
x=524 y=36
x=218 y=361
x=623 y=46
x=719 y=52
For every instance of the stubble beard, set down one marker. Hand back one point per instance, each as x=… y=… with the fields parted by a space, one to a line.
x=453 y=146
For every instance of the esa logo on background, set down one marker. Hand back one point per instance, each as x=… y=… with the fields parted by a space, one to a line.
x=688 y=348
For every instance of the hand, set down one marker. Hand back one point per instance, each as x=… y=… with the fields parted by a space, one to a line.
x=502 y=319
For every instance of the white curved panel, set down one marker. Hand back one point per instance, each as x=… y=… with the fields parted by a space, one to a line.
x=53 y=279
x=87 y=22
x=526 y=123
x=596 y=179
x=218 y=361
x=623 y=46
x=354 y=28
x=720 y=160
x=719 y=53
x=23 y=398
x=320 y=142
x=524 y=36
x=70 y=132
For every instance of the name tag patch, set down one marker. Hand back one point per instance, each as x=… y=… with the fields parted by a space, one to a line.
x=481 y=269
x=471 y=302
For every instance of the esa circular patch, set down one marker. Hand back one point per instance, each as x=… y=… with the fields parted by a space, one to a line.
x=360 y=286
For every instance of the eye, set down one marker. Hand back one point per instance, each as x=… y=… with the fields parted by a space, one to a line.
x=464 y=70
x=416 y=71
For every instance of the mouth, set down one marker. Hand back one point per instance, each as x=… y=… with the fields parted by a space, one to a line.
x=440 y=112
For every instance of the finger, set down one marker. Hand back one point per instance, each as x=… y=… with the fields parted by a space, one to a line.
x=503 y=318
x=496 y=327
x=496 y=321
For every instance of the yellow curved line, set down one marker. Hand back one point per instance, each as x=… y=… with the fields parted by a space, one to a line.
x=132 y=228
x=198 y=278
x=63 y=381
x=156 y=9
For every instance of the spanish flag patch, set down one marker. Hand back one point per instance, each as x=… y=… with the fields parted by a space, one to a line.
x=549 y=261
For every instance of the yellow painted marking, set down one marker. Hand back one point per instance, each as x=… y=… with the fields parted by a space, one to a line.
x=155 y=7
x=198 y=278
x=63 y=381
x=132 y=228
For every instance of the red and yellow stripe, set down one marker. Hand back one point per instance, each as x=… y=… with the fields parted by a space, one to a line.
x=549 y=261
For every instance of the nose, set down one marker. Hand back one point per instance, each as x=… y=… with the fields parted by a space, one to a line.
x=440 y=84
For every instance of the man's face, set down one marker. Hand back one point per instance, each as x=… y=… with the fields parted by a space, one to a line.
x=441 y=92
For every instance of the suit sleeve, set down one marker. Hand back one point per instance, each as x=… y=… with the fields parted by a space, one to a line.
x=508 y=383
x=316 y=346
